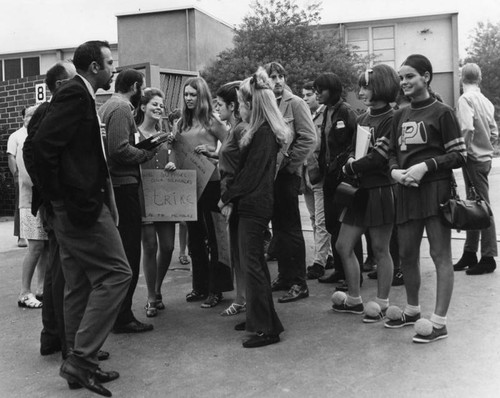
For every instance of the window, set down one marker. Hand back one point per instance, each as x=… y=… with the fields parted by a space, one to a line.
x=377 y=41
x=19 y=67
x=12 y=69
x=31 y=66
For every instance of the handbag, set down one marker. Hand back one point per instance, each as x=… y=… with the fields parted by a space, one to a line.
x=349 y=195
x=468 y=214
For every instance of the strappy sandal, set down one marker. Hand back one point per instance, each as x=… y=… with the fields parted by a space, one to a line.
x=159 y=302
x=29 y=301
x=184 y=260
x=151 y=310
x=212 y=300
x=234 y=309
x=195 y=296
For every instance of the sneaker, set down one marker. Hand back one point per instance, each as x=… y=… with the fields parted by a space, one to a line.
x=315 y=271
x=397 y=279
x=468 y=260
x=405 y=320
x=373 y=319
x=437 y=334
x=352 y=309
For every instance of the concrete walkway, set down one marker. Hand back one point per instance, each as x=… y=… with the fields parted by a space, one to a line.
x=194 y=352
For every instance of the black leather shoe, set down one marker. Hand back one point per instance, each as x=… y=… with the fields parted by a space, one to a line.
x=468 y=260
x=133 y=327
x=295 y=293
x=84 y=377
x=240 y=326
x=102 y=355
x=261 y=340
x=334 y=277
x=315 y=271
x=100 y=375
x=485 y=266
x=279 y=284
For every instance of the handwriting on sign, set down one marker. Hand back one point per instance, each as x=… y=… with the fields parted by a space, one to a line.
x=169 y=196
x=165 y=198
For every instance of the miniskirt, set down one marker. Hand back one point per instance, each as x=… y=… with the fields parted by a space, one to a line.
x=31 y=227
x=380 y=209
x=422 y=202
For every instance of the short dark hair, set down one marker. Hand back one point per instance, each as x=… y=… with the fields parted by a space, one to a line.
x=383 y=81
x=126 y=79
x=331 y=82
x=55 y=73
x=308 y=86
x=275 y=67
x=89 y=52
x=229 y=93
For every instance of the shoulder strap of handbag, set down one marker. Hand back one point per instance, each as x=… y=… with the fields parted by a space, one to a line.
x=472 y=188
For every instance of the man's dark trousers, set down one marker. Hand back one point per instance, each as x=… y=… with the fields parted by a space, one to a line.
x=290 y=248
x=129 y=227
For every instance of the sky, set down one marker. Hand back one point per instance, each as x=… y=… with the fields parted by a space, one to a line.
x=46 y=24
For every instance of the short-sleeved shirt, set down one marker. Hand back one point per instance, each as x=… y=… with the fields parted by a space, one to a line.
x=15 y=147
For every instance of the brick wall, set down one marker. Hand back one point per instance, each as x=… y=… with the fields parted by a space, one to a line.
x=15 y=95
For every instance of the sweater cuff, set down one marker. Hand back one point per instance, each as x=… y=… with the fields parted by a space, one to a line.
x=431 y=164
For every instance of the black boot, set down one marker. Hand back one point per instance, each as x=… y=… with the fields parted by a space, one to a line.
x=468 y=260
x=484 y=266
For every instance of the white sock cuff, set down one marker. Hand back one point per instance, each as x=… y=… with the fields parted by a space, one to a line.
x=412 y=309
x=354 y=300
x=438 y=321
x=384 y=303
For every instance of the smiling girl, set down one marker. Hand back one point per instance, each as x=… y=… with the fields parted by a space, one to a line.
x=379 y=86
x=426 y=145
x=157 y=237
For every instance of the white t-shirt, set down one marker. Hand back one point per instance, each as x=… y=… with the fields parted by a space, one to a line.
x=15 y=145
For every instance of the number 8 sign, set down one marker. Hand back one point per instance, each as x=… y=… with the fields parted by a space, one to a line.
x=40 y=93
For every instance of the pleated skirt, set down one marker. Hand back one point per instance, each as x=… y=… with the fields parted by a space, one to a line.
x=380 y=209
x=422 y=202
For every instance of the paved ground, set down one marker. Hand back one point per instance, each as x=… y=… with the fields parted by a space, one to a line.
x=194 y=352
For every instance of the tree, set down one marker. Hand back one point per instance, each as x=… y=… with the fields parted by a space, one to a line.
x=485 y=52
x=278 y=30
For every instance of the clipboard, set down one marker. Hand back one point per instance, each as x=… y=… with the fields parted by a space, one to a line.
x=153 y=141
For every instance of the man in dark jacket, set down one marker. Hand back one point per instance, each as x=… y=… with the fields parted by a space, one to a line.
x=73 y=175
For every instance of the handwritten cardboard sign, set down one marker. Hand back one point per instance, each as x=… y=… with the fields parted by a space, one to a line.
x=187 y=159
x=169 y=196
x=222 y=234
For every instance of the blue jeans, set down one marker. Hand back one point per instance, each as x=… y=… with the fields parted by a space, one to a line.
x=479 y=172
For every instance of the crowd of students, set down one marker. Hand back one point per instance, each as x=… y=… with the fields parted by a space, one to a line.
x=265 y=143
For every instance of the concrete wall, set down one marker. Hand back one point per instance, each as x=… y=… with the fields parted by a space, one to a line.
x=435 y=36
x=158 y=38
x=212 y=37
x=185 y=39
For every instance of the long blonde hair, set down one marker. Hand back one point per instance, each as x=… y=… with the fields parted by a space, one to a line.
x=257 y=91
